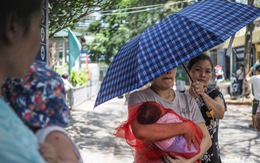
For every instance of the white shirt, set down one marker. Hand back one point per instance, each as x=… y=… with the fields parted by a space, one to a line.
x=255 y=80
x=240 y=74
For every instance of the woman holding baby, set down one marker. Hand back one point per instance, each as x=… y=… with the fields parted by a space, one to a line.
x=161 y=91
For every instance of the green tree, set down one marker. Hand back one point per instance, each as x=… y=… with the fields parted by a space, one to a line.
x=127 y=19
x=65 y=13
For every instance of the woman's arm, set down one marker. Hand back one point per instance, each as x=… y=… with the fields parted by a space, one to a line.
x=216 y=104
x=249 y=73
x=204 y=146
x=63 y=147
x=157 y=132
x=205 y=143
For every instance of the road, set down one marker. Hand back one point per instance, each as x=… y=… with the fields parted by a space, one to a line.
x=92 y=130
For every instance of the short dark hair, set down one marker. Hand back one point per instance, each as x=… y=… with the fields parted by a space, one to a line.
x=199 y=58
x=257 y=68
x=148 y=113
x=22 y=8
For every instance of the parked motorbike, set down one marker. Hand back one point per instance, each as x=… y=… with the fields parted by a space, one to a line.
x=234 y=85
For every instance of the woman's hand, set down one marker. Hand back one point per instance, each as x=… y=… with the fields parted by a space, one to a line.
x=216 y=104
x=190 y=135
x=198 y=89
x=48 y=152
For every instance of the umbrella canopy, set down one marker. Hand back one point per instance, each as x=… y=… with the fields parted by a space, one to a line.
x=171 y=42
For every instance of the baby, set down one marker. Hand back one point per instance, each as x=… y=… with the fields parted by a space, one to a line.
x=152 y=112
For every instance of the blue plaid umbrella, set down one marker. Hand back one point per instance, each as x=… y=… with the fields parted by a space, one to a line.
x=171 y=42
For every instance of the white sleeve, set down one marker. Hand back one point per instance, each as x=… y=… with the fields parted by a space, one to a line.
x=251 y=79
x=44 y=132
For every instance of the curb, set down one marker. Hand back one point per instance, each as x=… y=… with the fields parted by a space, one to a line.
x=233 y=102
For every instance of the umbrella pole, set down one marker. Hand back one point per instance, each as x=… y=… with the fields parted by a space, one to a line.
x=192 y=82
x=187 y=72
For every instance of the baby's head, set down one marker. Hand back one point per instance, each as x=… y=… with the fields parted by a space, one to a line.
x=149 y=112
x=39 y=97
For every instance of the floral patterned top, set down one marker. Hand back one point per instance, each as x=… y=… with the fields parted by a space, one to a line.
x=39 y=97
x=213 y=153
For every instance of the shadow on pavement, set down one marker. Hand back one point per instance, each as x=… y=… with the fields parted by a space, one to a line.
x=238 y=141
x=93 y=131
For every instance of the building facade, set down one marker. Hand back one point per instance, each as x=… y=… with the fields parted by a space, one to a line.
x=231 y=63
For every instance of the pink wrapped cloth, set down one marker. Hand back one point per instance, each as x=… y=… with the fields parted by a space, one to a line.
x=178 y=143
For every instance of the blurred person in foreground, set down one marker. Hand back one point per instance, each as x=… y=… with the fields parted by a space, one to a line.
x=161 y=91
x=39 y=100
x=200 y=69
x=19 y=43
x=255 y=81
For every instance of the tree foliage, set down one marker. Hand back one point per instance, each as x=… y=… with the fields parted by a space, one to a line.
x=127 y=19
x=66 y=13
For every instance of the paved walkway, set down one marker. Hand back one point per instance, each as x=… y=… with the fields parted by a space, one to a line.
x=93 y=129
x=238 y=142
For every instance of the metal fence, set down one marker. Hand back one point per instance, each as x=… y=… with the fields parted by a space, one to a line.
x=77 y=95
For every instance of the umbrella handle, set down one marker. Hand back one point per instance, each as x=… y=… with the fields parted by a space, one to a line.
x=185 y=68
x=192 y=82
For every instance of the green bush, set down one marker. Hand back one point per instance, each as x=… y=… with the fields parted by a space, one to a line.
x=61 y=69
x=79 y=78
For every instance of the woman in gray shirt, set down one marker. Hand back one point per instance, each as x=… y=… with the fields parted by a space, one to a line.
x=183 y=104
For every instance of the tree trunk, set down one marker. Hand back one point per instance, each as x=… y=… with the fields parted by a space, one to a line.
x=247 y=53
x=52 y=61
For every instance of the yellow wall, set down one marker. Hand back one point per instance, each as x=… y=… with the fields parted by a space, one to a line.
x=240 y=40
x=257 y=47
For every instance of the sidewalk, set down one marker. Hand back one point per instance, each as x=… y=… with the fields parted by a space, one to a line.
x=238 y=143
x=238 y=100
